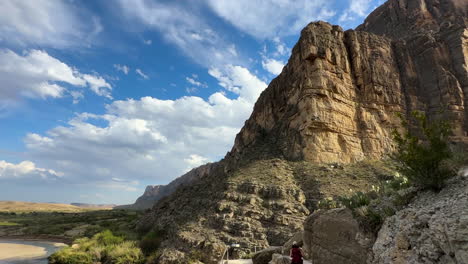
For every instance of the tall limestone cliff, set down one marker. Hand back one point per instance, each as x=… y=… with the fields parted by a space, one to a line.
x=334 y=102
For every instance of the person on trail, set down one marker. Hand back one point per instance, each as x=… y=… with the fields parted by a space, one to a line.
x=296 y=254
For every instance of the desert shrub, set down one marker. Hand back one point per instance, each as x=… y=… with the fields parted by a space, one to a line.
x=106 y=238
x=151 y=241
x=401 y=200
x=372 y=221
x=357 y=200
x=153 y=258
x=70 y=256
x=328 y=203
x=124 y=253
x=104 y=247
x=421 y=152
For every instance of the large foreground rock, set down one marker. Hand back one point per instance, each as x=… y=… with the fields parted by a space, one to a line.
x=334 y=236
x=265 y=256
x=279 y=259
x=433 y=229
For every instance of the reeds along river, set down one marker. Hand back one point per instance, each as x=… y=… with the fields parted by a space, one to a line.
x=26 y=251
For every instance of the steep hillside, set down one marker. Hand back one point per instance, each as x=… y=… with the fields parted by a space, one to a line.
x=333 y=105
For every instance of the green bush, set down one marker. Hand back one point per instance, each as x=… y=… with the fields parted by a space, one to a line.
x=104 y=247
x=124 y=253
x=106 y=238
x=70 y=256
x=358 y=199
x=151 y=241
x=328 y=203
x=421 y=152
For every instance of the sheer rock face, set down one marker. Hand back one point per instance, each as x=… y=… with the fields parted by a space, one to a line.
x=337 y=97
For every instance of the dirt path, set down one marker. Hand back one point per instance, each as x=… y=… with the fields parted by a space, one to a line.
x=10 y=250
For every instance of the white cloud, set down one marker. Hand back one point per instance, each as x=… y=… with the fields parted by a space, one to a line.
x=123 y=68
x=180 y=24
x=52 y=23
x=239 y=80
x=281 y=49
x=360 y=7
x=357 y=10
x=25 y=169
x=270 y=18
x=77 y=96
x=195 y=160
x=148 y=42
x=98 y=85
x=194 y=82
x=36 y=74
x=190 y=90
x=273 y=66
x=149 y=139
x=142 y=74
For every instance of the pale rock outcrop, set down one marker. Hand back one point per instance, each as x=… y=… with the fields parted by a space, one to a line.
x=432 y=229
x=335 y=236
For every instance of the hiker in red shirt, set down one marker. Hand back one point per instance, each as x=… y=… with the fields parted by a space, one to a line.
x=296 y=254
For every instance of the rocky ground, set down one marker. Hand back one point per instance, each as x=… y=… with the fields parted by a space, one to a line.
x=432 y=228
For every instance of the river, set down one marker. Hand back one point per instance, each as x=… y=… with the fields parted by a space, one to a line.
x=26 y=251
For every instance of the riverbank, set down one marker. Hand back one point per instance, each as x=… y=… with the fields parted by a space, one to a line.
x=12 y=251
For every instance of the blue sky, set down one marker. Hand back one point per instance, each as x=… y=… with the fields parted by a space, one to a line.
x=100 y=98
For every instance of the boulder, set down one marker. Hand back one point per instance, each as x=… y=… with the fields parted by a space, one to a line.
x=279 y=259
x=265 y=256
x=334 y=236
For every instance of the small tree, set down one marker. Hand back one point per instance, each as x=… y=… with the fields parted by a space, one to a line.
x=421 y=152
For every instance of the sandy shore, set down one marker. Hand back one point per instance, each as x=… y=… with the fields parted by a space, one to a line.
x=10 y=251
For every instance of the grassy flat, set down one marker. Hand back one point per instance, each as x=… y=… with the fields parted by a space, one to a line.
x=8 y=224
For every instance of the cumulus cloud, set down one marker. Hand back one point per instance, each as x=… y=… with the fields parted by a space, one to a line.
x=142 y=74
x=25 y=169
x=180 y=24
x=36 y=74
x=270 y=18
x=273 y=66
x=149 y=138
x=51 y=23
x=123 y=68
